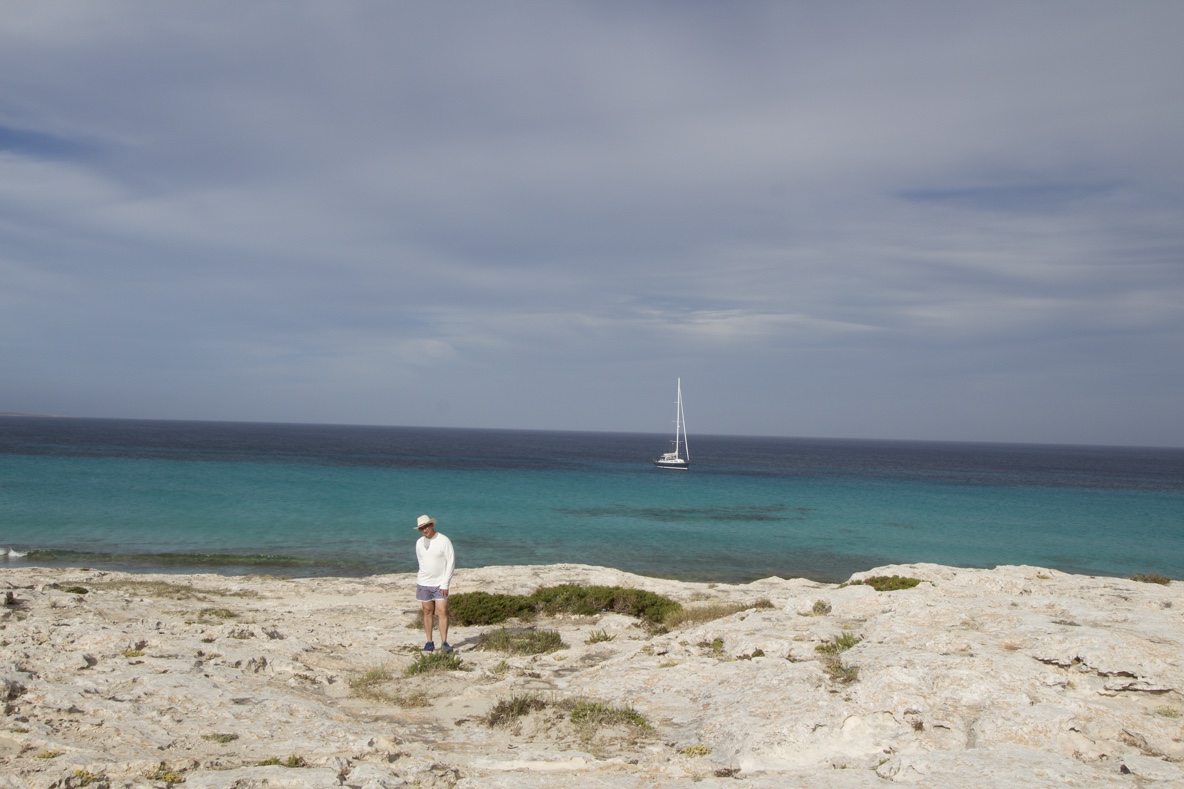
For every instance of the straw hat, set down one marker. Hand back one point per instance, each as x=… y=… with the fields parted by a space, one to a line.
x=424 y=520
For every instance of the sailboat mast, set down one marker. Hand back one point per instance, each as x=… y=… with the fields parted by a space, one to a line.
x=682 y=421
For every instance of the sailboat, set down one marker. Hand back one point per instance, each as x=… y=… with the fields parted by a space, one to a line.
x=680 y=457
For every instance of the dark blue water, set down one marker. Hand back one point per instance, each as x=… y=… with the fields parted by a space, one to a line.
x=342 y=500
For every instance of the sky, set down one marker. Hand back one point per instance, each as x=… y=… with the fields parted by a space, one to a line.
x=899 y=220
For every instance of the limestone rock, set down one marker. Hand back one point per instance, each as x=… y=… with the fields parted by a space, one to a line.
x=1017 y=676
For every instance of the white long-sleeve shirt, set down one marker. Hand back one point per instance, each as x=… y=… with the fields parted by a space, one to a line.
x=436 y=561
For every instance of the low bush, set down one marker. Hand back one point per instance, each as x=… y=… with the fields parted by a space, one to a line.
x=433 y=661
x=506 y=711
x=521 y=642
x=588 y=600
x=821 y=608
x=482 y=608
x=1151 y=578
x=598 y=636
x=597 y=714
x=888 y=583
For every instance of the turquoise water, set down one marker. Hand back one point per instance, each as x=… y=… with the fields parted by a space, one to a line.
x=289 y=499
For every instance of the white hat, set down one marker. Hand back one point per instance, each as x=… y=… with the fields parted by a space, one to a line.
x=424 y=520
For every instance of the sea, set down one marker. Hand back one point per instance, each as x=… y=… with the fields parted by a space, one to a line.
x=334 y=500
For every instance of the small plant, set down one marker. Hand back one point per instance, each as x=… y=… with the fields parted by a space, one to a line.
x=366 y=684
x=216 y=613
x=131 y=653
x=1168 y=712
x=521 y=642
x=433 y=661
x=888 y=583
x=163 y=773
x=598 y=636
x=596 y=714
x=502 y=667
x=84 y=777
x=76 y=590
x=698 y=614
x=758 y=652
x=840 y=643
x=1151 y=578
x=507 y=711
x=50 y=754
x=695 y=750
x=840 y=672
x=220 y=738
x=292 y=761
x=821 y=608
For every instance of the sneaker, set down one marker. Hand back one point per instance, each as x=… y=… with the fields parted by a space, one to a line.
x=446 y=649
x=429 y=647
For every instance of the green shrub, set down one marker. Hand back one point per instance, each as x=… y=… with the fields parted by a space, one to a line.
x=888 y=583
x=821 y=608
x=482 y=608
x=521 y=642
x=220 y=738
x=588 y=600
x=598 y=636
x=1151 y=578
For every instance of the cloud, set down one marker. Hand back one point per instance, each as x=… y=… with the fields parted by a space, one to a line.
x=519 y=197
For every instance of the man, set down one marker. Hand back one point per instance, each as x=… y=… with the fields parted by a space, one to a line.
x=436 y=562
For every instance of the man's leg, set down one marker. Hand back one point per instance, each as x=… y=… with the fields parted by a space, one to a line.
x=442 y=612
x=429 y=609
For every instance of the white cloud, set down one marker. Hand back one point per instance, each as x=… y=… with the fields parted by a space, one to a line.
x=355 y=196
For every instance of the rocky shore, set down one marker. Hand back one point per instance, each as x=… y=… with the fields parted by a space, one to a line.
x=1017 y=676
